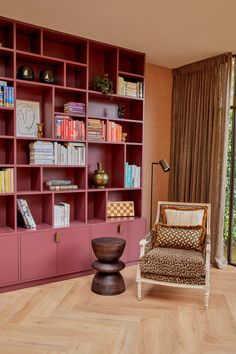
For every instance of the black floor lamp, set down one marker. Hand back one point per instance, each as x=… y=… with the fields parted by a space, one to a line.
x=165 y=168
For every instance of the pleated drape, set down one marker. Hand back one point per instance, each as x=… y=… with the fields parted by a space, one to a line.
x=199 y=139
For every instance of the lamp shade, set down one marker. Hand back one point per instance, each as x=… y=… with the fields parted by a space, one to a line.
x=164 y=165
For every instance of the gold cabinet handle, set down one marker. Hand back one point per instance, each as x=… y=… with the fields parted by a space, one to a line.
x=57 y=237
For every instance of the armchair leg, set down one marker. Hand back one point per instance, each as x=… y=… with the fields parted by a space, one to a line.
x=139 y=290
x=206 y=299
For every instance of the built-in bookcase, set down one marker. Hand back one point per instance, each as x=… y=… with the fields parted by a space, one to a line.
x=75 y=63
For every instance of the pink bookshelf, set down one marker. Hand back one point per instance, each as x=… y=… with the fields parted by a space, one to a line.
x=50 y=252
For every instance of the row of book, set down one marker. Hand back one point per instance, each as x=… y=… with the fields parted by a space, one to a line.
x=60 y=184
x=61 y=214
x=69 y=129
x=24 y=215
x=114 y=132
x=77 y=108
x=53 y=153
x=7 y=180
x=96 y=129
x=132 y=176
x=128 y=88
x=25 y=218
x=6 y=95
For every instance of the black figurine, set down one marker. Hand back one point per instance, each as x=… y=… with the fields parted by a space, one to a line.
x=121 y=111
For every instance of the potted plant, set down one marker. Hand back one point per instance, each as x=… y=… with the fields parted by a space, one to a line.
x=104 y=84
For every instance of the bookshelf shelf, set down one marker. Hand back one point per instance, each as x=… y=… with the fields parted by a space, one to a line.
x=66 y=217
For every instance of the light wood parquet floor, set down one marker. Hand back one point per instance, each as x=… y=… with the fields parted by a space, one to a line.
x=66 y=317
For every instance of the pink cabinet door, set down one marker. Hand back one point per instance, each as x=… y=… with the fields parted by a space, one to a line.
x=73 y=250
x=8 y=259
x=38 y=255
x=136 y=230
x=116 y=229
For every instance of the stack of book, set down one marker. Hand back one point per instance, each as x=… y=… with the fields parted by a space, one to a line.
x=60 y=185
x=24 y=215
x=41 y=153
x=128 y=88
x=96 y=129
x=7 y=180
x=114 y=132
x=6 y=95
x=132 y=176
x=69 y=154
x=68 y=129
x=61 y=214
x=76 y=108
x=48 y=153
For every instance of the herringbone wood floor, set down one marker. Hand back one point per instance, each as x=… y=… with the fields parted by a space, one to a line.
x=65 y=317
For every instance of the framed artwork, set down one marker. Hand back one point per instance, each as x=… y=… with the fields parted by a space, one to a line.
x=27 y=117
x=120 y=208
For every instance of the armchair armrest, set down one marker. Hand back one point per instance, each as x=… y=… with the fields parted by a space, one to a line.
x=146 y=244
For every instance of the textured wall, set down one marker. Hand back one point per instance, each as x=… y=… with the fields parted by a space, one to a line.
x=157 y=131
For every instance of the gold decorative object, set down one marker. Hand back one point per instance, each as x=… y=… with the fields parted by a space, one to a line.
x=40 y=129
x=100 y=177
x=124 y=136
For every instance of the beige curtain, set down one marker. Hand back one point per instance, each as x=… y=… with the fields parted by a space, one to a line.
x=199 y=140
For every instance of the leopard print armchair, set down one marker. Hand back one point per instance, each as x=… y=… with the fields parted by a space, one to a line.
x=171 y=263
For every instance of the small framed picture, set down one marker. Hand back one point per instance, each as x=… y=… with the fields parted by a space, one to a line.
x=27 y=117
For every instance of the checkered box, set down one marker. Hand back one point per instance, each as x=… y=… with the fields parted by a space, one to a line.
x=124 y=208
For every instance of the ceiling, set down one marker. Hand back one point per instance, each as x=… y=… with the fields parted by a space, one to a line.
x=171 y=32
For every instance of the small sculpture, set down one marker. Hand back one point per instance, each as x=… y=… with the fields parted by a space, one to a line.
x=105 y=112
x=100 y=177
x=121 y=111
x=123 y=137
x=40 y=129
x=25 y=73
x=47 y=76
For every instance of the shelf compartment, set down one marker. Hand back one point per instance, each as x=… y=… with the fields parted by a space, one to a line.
x=28 y=38
x=131 y=62
x=63 y=96
x=101 y=106
x=76 y=174
x=6 y=122
x=6 y=151
x=7 y=213
x=134 y=131
x=64 y=46
x=112 y=158
x=42 y=94
x=40 y=63
x=102 y=60
x=6 y=33
x=96 y=206
x=128 y=195
x=76 y=76
x=77 y=203
x=134 y=154
x=6 y=64
x=40 y=206
x=28 y=179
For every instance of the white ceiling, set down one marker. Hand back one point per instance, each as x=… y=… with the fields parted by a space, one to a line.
x=171 y=32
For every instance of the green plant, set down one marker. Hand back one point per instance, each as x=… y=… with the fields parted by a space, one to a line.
x=104 y=84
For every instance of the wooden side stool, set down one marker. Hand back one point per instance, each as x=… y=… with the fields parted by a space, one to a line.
x=108 y=280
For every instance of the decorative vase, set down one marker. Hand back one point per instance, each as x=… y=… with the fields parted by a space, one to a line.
x=121 y=111
x=25 y=73
x=100 y=177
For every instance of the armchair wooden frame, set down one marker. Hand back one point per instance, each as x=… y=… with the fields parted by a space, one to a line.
x=207 y=250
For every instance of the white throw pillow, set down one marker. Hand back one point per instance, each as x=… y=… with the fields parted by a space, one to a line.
x=183 y=217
